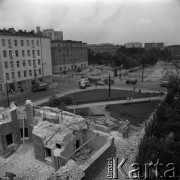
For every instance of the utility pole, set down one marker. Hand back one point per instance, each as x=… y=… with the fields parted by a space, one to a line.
x=7 y=92
x=142 y=72
x=109 y=86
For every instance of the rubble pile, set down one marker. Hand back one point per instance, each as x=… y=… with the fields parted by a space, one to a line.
x=82 y=156
x=71 y=170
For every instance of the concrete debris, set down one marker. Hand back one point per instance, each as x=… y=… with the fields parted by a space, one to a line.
x=71 y=170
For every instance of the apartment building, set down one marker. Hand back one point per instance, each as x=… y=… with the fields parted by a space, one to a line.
x=53 y=35
x=25 y=57
x=154 y=45
x=133 y=45
x=175 y=51
x=104 y=47
x=68 y=55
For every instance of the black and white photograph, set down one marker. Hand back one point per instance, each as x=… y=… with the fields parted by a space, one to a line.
x=89 y=89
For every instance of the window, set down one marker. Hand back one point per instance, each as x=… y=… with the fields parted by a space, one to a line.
x=58 y=146
x=47 y=152
x=33 y=53
x=9 y=43
x=16 y=52
x=35 y=74
x=27 y=42
x=10 y=54
x=7 y=76
x=25 y=132
x=19 y=74
x=34 y=63
x=28 y=53
x=12 y=74
x=6 y=65
x=32 y=42
x=29 y=62
x=3 y=42
x=11 y=64
x=24 y=63
x=39 y=71
x=30 y=72
x=17 y=63
x=39 y=62
x=60 y=68
x=22 y=43
x=38 y=52
x=37 y=42
x=15 y=43
x=23 y=54
x=4 y=54
x=25 y=75
x=9 y=139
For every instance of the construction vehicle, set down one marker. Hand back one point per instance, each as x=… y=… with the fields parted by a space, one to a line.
x=38 y=86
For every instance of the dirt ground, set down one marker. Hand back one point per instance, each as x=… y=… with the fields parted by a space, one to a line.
x=23 y=164
x=125 y=147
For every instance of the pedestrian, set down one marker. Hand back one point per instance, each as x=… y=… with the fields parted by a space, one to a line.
x=139 y=91
x=134 y=88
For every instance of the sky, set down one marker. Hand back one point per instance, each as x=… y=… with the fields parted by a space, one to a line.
x=97 y=21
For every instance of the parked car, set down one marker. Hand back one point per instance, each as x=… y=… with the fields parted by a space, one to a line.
x=100 y=83
x=165 y=84
x=38 y=86
x=88 y=84
x=82 y=85
x=130 y=81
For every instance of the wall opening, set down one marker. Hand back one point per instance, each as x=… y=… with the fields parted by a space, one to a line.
x=58 y=146
x=9 y=139
x=47 y=152
x=25 y=132
x=77 y=144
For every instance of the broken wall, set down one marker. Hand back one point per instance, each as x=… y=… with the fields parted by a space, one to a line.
x=99 y=160
x=11 y=127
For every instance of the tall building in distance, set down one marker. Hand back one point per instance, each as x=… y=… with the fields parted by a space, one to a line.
x=133 y=45
x=53 y=35
x=154 y=45
x=175 y=51
x=25 y=57
x=68 y=55
x=104 y=47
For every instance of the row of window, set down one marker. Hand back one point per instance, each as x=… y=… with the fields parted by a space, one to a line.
x=68 y=55
x=12 y=64
x=17 y=53
x=25 y=74
x=70 y=60
x=21 y=42
x=72 y=67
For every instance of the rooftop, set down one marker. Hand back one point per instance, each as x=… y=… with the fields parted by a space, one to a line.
x=66 y=41
x=13 y=32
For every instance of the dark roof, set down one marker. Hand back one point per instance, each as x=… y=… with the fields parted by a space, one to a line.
x=12 y=32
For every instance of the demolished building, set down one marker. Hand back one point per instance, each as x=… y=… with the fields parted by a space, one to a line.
x=66 y=142
x=14 y=128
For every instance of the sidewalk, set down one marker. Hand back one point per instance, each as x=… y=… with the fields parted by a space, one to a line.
x=115 y=102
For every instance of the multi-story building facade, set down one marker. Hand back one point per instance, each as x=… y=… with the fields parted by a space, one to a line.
x=68 y=55
x=54 y=35
x=154 y=45
x=133 y=45
x=25 y=57
x=104 y=47
x=175 y=51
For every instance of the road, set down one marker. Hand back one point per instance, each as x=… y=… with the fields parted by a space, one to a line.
x=63 y=85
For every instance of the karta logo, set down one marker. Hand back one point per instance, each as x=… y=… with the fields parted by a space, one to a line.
x=150 y=170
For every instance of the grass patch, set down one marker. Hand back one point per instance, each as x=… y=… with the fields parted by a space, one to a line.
x=98 y=95
x=140 y=111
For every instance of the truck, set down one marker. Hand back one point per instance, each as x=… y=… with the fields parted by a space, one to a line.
x=38 y=86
